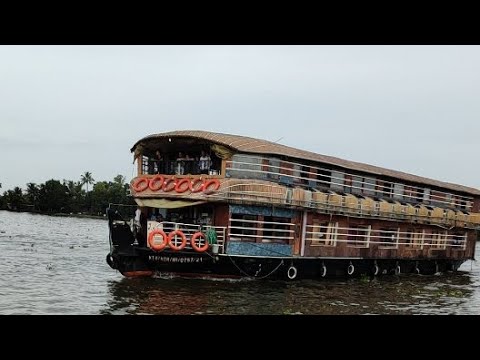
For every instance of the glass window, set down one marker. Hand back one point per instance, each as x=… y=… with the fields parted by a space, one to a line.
x=369 y=186
x=398 y=191
x=274 y=168
x=324 y=178
x=356 y=184
x=338 y=179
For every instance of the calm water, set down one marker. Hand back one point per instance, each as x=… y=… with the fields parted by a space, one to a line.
x=56 y=265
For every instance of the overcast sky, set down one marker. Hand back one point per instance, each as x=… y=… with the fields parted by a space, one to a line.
x=65 y=110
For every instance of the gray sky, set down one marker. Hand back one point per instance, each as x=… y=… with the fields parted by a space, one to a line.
x=65 y=110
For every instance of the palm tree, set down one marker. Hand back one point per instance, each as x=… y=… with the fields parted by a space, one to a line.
x=119 y=179
x=74 y=188
x=32 y=194
x=14 y=198
x=87 y=179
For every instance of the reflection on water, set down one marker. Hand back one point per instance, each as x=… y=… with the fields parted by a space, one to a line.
x=56 y=265
x=408 y=294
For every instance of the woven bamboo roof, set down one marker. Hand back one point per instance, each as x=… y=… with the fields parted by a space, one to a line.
x=244 y=144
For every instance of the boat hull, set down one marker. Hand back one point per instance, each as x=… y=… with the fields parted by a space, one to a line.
x=148 y=263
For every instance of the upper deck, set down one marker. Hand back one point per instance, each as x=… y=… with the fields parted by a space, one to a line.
x=238 y=157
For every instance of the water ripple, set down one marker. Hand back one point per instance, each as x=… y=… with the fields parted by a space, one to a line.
x=56 y=265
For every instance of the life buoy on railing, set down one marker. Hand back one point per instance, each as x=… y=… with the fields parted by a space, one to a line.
x=350 y=269
x=139 y=188
x=155 y=179
x=166 y=184
x=178 y=187
x=194 y=182
x=196 y=247
x=292 y=272
x=151 y=240
x=182 y=236
x=210 y=182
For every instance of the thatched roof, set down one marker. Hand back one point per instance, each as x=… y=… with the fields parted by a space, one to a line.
x=244 y=144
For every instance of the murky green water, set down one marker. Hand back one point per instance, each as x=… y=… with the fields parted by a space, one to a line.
x=56 y=265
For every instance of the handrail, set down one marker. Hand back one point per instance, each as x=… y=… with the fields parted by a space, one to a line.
x=373 y=210
x=317 y=234
x=261 y=170
x=284 y=235
x=332 y=170
x=332 y=203
x=190 y=229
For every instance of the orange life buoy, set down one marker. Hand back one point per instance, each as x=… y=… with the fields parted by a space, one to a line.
x=194 y=183
x=167 y=182
x=183 y=243
x=210 y=182
x=136 y=184
x=178 y=188
x=151 y=241
x=202 y=248
x=156 y=178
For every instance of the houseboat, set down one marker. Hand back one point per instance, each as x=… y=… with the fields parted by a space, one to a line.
x=221 y=205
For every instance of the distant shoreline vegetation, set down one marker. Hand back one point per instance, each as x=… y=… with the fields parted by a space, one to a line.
x=67 y=197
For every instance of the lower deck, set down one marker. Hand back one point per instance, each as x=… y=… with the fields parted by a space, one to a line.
x=218 y=233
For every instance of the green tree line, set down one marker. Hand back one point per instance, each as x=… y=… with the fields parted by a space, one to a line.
x=68 y=196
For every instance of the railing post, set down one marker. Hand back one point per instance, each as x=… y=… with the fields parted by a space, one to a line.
x=368 y=235
x=335 y=234
x=304 y=230
x=223 y=239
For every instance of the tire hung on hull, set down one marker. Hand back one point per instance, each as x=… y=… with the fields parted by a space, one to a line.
x=350 y=269
x=292 y=272
x=323 y=270
x=111 y=261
